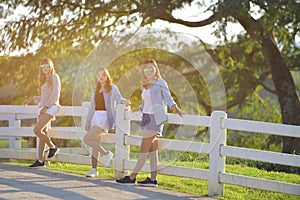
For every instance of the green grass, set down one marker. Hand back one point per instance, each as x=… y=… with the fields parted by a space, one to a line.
x=192 y=186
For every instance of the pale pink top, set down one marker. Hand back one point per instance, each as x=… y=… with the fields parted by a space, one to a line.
x=49 y=95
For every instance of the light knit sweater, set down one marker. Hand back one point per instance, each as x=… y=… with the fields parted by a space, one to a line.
x=49 y=95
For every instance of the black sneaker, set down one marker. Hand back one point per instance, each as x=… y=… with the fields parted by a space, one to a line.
x=148 y=183
x=53 y=152
x=126 y=181
x=37 y=164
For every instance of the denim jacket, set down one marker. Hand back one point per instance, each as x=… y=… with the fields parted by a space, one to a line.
x=111 y=100
x=160 y=96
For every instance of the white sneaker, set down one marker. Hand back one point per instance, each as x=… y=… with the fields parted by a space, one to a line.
x=107 y=159
x=93 y=173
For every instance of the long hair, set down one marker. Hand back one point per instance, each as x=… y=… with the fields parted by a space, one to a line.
x=46 y=78
x=108 y=84
x=157 y=73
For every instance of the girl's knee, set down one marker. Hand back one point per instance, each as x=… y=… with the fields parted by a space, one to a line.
x=86 y=139
x=37 y=131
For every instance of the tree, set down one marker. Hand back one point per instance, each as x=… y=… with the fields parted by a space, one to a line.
x=270 y=34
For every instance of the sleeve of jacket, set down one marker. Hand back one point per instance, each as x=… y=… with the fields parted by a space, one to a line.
x=116 y=94
x=91 y=108
x=55 y=91
x=166 y=93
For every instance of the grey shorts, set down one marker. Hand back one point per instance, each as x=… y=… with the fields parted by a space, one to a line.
x=148 y=123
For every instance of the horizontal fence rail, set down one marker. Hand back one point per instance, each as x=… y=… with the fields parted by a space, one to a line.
x=262 y=127
x=259 y=155
x=258 y=183
x=218 y=124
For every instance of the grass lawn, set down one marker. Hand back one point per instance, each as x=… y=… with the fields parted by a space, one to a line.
x=188 y=185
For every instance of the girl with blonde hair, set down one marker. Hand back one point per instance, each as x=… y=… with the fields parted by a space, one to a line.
x=155 y=97
x=47 y=108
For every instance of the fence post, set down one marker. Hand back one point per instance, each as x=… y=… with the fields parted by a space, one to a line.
x=216 y=162
x=85 y=105
x=121 y=149
x=14 y=142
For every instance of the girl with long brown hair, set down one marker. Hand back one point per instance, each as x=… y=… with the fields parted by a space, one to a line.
x=101 y=118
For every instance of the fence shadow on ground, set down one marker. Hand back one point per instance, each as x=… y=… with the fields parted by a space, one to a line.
x=19 y=182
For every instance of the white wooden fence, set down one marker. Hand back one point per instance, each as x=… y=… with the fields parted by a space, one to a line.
x=217 y=149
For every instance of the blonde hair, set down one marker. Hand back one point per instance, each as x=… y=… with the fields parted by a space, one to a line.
x=46 y=78
x=157 y=73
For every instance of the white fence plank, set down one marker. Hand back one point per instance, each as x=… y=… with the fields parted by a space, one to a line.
x=17 y=132
x=5 y=116
x=72 y=111
x=170 y=144
x=262 y=184
x=32 y=109
x=66 y=134
x=26 y=116
x=259 y=155
x=262 y=127
x=192 y=120
x=18 y=109
x=22 y=154
x=171 y=170
x=69 y=133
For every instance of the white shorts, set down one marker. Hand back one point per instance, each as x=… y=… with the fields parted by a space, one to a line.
x=100 y=119
x=50 y=111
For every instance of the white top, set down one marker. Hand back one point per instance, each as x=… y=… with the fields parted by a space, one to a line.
x=146 y=96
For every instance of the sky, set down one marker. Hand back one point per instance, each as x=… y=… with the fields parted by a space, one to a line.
x=194 y=13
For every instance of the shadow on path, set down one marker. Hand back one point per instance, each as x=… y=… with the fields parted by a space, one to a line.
x=18 y=182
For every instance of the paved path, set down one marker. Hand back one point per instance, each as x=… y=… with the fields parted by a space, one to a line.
x=17 y=182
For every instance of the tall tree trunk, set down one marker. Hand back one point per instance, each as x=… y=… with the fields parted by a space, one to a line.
x=281 y=76
x=286 y=92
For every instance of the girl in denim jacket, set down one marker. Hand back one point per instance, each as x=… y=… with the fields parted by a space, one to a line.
x=155 y=97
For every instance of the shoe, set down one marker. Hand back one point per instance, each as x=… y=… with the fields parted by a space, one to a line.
x=53 y=152
x=93 y=173
x=37 y=164
x=148 y=183
x=126 y=181
x=107 y=159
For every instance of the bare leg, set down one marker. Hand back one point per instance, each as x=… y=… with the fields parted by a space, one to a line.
x=41 y=145
x=95 y=153
x=40 y=130
x=92 y=139
x=153 y=159
x=148 y=137
x=41 y=149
